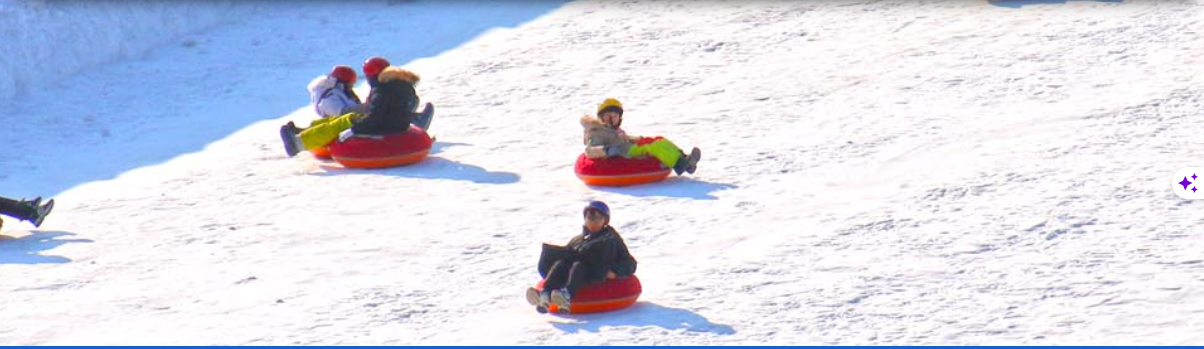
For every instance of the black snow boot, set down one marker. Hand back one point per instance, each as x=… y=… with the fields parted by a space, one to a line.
x=423 y=118
x=682 y=163
x=687 y=163
x=692 y=160
x=292 y=143
x=39 y=212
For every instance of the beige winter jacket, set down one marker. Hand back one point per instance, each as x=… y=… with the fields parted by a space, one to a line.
x=600 y=138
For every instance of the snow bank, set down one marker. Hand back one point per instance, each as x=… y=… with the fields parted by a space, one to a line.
x=46 y=39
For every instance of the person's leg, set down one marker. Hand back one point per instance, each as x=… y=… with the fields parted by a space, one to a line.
x=326 y=132
x=18 y=209
x=10 y=207
x=563 y=297
x=321 y=121
x=577 y=277
x=662 y=149
x=558 y=276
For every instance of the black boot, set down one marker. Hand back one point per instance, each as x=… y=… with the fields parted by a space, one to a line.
x=680 y=165
x=692 y=161
x=39 y=213
x=423 y=118
x=292 y=143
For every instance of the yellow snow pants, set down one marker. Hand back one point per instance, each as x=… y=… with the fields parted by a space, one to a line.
x=325 y=130
x=660 y=148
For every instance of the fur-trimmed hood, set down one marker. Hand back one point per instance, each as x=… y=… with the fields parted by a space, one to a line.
x=394 y=73
x=591 y=122
x=598 y=133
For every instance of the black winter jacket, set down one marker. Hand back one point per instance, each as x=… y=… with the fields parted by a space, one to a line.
x=390 y=109
x=603 y=251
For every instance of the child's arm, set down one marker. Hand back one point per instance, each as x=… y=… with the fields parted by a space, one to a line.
x=594 y=152
x=625 y=263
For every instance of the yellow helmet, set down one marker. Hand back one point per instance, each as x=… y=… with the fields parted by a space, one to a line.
x=610 y=103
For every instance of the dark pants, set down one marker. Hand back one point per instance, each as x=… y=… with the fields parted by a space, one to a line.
x=567 y=274
x=16 y=208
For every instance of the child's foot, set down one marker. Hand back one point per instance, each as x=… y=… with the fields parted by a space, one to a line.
x=40 y=212
x=538 y=300
x=683 y=162
x=292 y=127
x=562 y=300
x=423 y=119
x=692 y=160
x=292 y=143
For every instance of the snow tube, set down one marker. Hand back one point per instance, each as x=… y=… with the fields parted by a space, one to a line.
x=321 y=152
x=617 y=171
x=605 y=296
x=382 y=151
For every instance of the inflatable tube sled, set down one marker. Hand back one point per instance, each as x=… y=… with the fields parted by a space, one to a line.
x=606 y=296
x=321 y=152
x=382 y=151
x=617 y=171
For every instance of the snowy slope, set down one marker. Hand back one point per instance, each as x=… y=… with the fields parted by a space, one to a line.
x=875 y=172
x=46 y=40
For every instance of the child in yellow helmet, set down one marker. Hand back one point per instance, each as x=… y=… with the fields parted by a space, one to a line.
x=603 y=137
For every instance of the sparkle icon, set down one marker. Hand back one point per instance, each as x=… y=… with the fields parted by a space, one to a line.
x=1190 y=178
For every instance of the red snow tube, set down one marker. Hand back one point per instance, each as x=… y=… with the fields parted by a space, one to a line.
x=382 y=151
x=618 y=171
x=321 y=152
x=606 y=296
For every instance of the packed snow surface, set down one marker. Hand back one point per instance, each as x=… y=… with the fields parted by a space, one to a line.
x=874 y=172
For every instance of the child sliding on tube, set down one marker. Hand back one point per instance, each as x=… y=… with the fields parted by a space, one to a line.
x=595 y=255
x=604 y=138
x=391 y=109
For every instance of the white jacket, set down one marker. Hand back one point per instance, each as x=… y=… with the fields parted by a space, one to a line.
x=326 y=95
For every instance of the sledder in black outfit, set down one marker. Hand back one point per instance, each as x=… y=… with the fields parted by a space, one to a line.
x=596 y=255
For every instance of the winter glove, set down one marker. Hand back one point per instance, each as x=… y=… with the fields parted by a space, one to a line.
x=345 y=135
x=595 y=152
